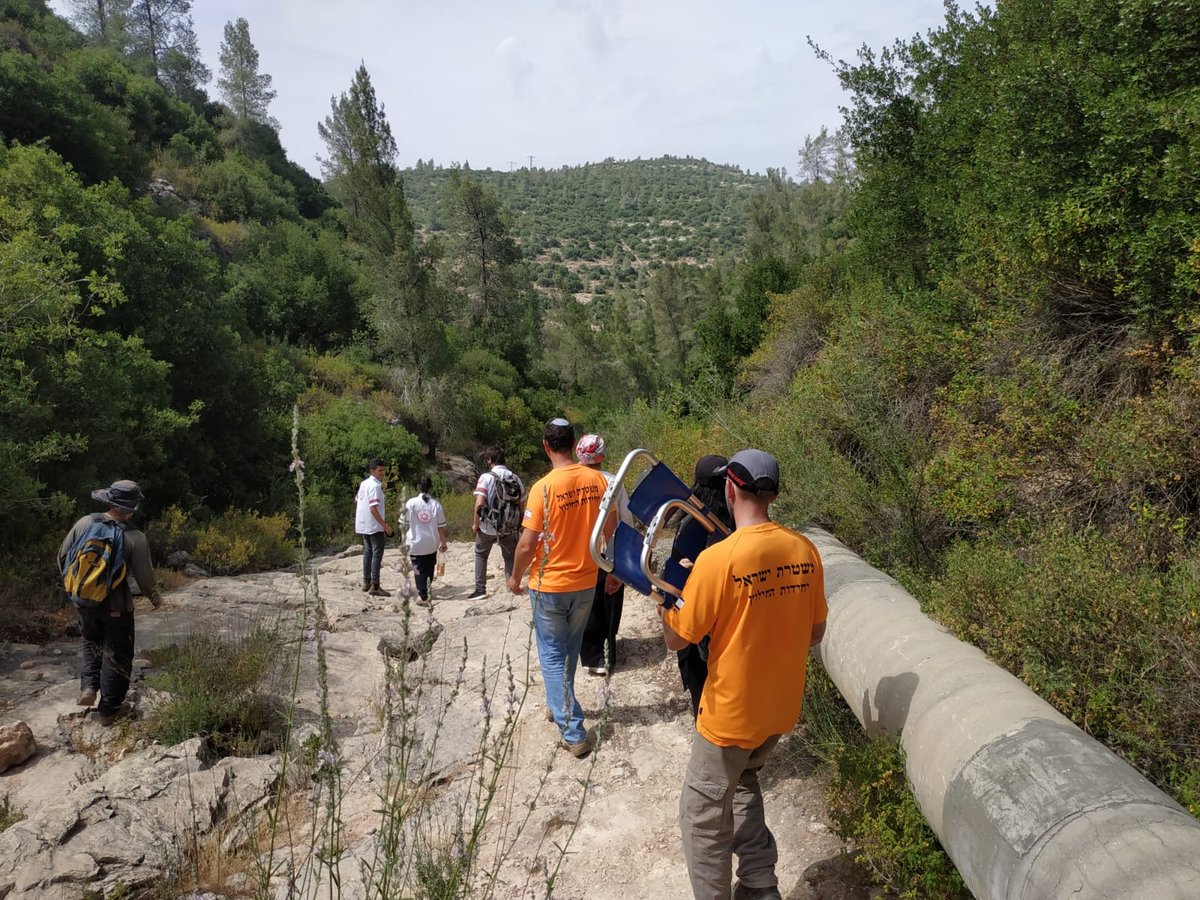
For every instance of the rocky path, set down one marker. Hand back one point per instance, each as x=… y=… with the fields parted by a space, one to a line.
x=614 y=813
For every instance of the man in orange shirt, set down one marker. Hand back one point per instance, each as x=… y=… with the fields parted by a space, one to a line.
x=559 y=515
x=760 y=594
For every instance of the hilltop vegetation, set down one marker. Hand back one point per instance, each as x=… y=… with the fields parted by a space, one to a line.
x=594 y=228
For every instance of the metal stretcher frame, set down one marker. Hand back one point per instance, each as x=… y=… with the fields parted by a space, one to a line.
x=630 y=556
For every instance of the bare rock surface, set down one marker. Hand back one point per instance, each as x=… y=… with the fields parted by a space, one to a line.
x=103 y=806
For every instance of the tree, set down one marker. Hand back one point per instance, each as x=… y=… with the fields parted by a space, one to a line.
x=106 y=22
x=243 y=87
x=486 y=270
x=361 y=168
x=162 y=36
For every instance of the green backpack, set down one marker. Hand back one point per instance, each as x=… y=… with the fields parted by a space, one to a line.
x=95 y=564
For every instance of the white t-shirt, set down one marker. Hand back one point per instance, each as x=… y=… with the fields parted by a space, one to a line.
x=369 y=496
x=424 y=519
x=622 y=499
x=483 y=488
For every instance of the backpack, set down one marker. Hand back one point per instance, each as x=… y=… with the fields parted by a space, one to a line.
x=502 y=509
x=95 y=564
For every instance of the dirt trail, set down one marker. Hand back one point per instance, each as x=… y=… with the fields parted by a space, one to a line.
x=626 y=845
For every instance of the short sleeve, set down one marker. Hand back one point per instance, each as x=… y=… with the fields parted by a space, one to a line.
x=820 y=607
x=481 y=486
x=701 y=599
x=535 y=511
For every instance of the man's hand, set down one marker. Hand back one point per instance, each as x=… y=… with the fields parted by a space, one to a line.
x=612 y=584
x=156 y=599
x=475 y=527
x=443 y=546
x=387 y=529
x=514 y=585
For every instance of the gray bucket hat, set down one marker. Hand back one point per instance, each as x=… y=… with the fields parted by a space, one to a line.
x=124 y=495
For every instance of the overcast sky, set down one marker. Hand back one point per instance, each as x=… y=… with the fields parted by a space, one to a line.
x=568 y=81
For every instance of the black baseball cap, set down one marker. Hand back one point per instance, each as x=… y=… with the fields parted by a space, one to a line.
x=754 y=471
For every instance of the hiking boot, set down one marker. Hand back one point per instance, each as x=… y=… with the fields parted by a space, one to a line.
x=124 y=711
x=366 y=585
x=421 y=601
x=88 y=697
x=597 y=670
x=377 y=591
x=742 y=892
x=578 y=750
x=477 y=595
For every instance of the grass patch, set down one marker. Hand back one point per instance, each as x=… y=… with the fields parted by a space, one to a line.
x=870 y=803
x=9 y=814
x=460 y=516
x=219 y=690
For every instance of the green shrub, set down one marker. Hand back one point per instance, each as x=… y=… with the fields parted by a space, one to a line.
x=220 y=690
x=1112 y=643
x=237 y=542
x=869 y=799
x=173 y=530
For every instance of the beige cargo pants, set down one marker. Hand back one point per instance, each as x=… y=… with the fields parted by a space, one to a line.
x=721 y=813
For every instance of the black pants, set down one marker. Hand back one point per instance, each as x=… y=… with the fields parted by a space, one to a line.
x=693 y=669
x=602 y=626
x=372 y=556
x=107 y=654
x=423 y=572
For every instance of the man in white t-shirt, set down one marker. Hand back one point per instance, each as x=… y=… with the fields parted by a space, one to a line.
x=370 y=521
x=485 y=530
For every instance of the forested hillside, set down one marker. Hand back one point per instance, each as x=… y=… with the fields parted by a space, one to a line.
x=173 y=284
x=969 y=328
x=594 y=228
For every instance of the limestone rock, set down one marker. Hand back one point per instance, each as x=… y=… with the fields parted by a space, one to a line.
x=16 y=745
x=191 y=570
x=179 y=559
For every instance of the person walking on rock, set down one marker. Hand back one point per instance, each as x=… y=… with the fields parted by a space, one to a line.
x=498 y=494
x=370 y=521
x=760 y=594
x=107 y=624
x=559 y=515
x=426 y=535
x=598 y=653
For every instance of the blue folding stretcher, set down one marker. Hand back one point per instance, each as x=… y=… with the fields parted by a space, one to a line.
x=658 y=493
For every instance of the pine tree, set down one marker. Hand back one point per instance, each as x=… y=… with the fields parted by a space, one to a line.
x=163 y=37
x=361 y=167
x=244 y=89
x=105 y=22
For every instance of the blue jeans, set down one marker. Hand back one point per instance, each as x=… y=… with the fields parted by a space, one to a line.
x=558 y=623
x=372 y=556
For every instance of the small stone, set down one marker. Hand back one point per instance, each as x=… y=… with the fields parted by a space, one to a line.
x=191 y=570
x=56 y=652
x=817 y=828
x=34 y=676
x=28 y=664
x=141 y=663
x=16 y=745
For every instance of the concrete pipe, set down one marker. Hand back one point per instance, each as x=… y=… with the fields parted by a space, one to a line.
x=1028 y=806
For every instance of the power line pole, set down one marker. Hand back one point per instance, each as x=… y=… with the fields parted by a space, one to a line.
x=531 y=159
x=511 y=163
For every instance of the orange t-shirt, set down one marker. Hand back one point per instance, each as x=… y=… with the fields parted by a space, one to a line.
x=563 y=507
x=758 y=593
